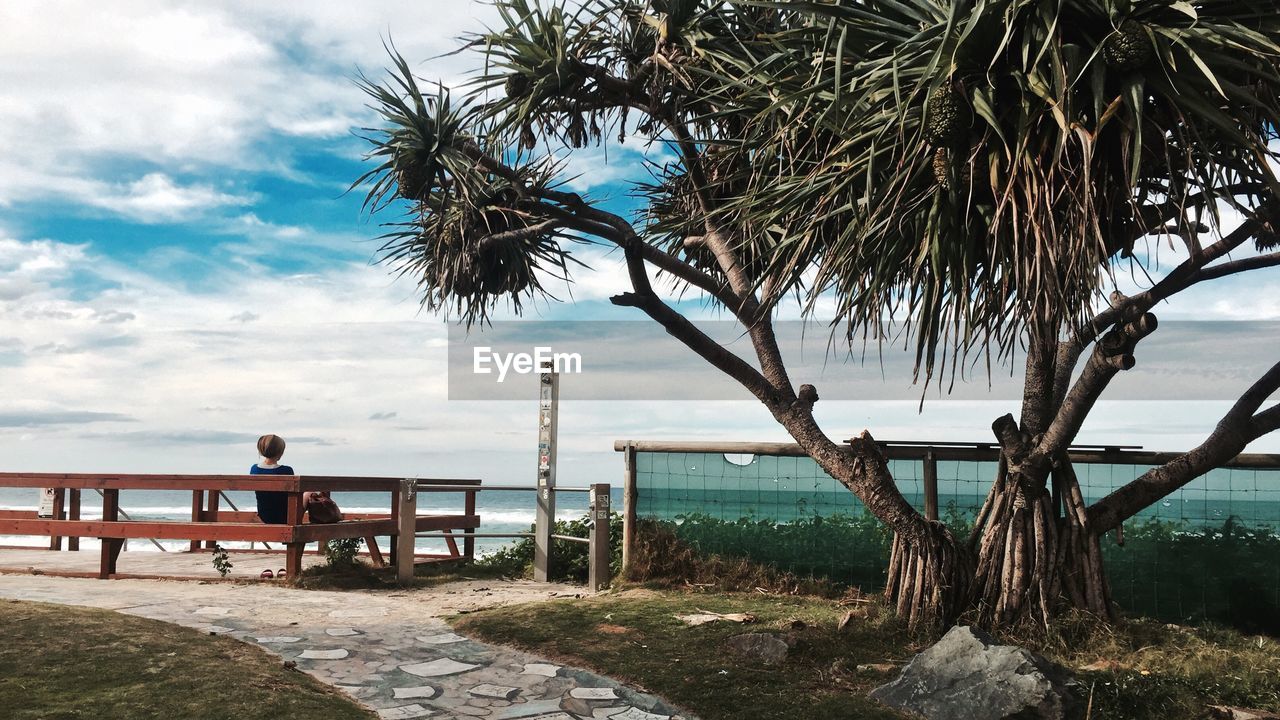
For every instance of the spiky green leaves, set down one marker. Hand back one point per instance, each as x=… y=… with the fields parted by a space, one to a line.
x=471 y=238
x=948 y=117
x=1129 y=48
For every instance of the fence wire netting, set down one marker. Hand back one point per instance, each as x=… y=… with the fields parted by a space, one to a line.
x=1210 y=551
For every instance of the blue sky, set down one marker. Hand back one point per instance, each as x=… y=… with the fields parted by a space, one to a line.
x=181 y=271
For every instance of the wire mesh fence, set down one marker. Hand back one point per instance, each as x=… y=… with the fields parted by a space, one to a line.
x=1209 y=551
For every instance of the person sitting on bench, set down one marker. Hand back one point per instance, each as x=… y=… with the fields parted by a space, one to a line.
x=273 y=506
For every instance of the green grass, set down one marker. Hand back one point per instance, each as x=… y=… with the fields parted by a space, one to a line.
x=1155 y=671
x=60 y=663
x=636 y=638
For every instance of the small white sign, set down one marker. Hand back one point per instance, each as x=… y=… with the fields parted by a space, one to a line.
x=46 y=503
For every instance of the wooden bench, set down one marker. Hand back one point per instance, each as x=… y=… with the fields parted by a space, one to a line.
x=209 y=523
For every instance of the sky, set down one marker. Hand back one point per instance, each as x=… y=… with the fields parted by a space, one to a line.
x=182 y=269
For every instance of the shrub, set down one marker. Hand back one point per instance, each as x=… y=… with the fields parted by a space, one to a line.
x=221 y=562
x=342 y=552
x=570 y=561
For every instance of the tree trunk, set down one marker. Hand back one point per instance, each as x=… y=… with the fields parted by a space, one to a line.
x=1024 y=562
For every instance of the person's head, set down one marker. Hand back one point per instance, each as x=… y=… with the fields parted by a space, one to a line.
x=271 y=447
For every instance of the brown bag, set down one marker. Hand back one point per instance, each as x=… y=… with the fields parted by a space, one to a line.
x=322 y=509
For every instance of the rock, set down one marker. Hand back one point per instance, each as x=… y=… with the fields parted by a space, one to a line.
x=1224 y=712
x=762 y=647
x=966 y=676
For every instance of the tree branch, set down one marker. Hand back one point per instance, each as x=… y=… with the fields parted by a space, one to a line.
x=1125 y=309
x=679 y=327
x=1113 y=353
x=1257 y=262
x=1234 y=432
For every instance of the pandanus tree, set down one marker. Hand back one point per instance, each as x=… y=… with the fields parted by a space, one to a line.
x=966 y=176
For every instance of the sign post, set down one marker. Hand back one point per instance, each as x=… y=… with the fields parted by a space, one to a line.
x=548 y=410
x=598 y=574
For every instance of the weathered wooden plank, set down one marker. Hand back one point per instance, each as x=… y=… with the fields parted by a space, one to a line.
x=317 y=532
x=427 y=523
x=284 y=483
x=146 y=529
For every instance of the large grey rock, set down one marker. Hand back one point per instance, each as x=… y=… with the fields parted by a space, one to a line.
x=966 y=676
x=762 y=647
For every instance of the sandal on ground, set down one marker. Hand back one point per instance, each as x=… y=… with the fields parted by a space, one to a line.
x=281 y=573
x=266 y=575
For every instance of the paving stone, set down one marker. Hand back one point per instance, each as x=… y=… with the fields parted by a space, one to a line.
x=323 y=654
x=278 y=639
x=593 y=693
x=441 y=638
x=543 y=669
x=437 y=668
x=470 y=711
x=341 y=632
x=420 y=691
x=404 y=712
x=500 y=692
x=635 y=713
x=576 y=707
x=532 y=709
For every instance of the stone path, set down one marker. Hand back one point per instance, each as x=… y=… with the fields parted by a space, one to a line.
x=391 y=652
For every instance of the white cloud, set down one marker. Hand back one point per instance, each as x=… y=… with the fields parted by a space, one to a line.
x=156 y=198
x=192 y=85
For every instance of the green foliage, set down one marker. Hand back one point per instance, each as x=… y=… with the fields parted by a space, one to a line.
x=221 y=562
x=570 y=561
x=1174 y=571
x=342 y=552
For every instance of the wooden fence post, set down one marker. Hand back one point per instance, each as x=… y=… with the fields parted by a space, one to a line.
x=213 y=498
x=73 y=513
x=628 y=505
x=931 y=485
x=469 y=543
x=59 y=513
x=110 y=546
x=407 y=530
x=599 y=573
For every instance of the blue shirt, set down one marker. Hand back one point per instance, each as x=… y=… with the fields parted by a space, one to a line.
x=273 y=506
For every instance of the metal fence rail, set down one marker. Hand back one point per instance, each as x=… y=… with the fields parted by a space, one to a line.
x=599 y=574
